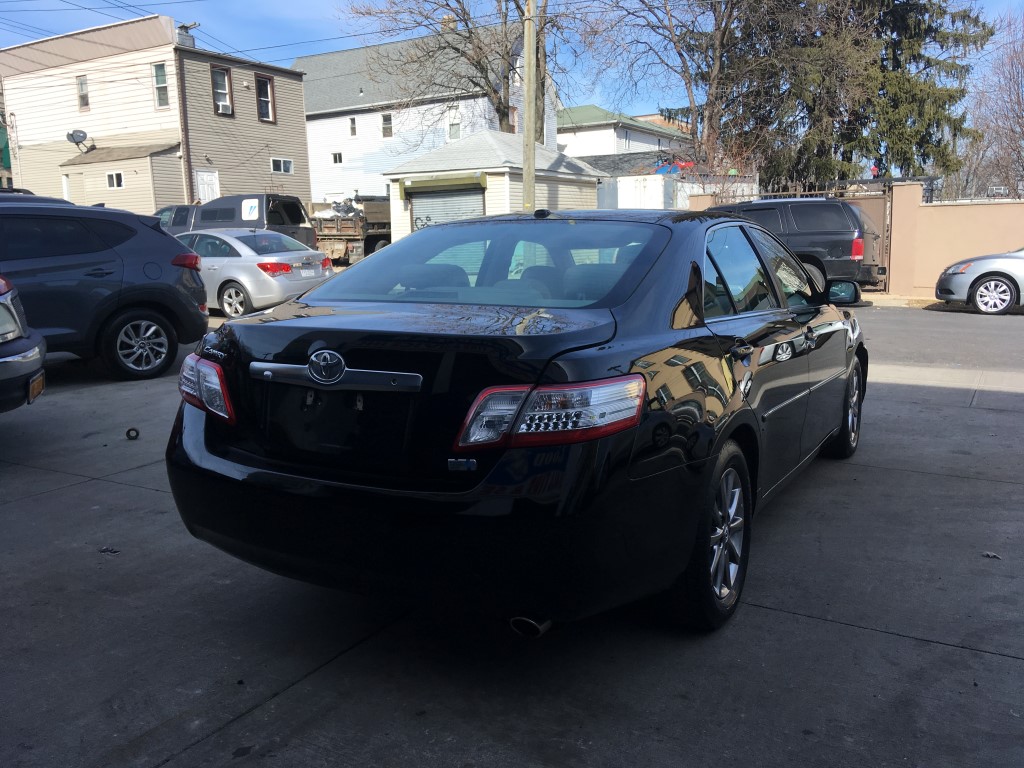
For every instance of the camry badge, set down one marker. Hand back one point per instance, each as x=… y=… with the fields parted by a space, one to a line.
x=326 y=366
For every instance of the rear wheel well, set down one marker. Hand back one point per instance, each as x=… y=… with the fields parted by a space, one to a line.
x=120 y=310
x=745 y=437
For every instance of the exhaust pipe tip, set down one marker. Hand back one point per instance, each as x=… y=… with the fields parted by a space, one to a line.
x=526 y=627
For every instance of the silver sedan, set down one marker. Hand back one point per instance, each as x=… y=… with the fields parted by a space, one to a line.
x=991 y=284
x=245 y=270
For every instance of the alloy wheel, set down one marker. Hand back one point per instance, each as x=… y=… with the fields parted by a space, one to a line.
x=853 y=409
x=727 y=522
x=993 y=296
x=142 y=345
x=232 y=301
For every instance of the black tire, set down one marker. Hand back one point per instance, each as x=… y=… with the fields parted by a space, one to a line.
x=381 y=245
x=708 y=592
x=138 y=344
x=234 y=300
x=993 y=295
x=817 y=276
x=844 y=443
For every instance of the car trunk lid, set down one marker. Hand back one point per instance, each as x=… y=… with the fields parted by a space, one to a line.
x=412 y=372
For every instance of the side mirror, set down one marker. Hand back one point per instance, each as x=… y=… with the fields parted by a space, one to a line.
x=843 y=292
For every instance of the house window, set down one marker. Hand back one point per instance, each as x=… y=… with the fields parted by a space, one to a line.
x=83 y=91
x=220 y=77
x=627 y=139
x=337 y=158
x=386 y=125
x=115 y=180
x=454 y=125
x=351 y=126
x=265 y=98
x=280 y=165
x=160 y=93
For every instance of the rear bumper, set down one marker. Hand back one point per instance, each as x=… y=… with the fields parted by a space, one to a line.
x=20 y=360
x=546 y=546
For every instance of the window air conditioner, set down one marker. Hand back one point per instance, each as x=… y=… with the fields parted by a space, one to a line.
x=224 y=109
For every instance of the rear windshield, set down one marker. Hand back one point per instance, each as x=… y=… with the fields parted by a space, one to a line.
x=285 y=212
x=271 y=242
x=531 y=263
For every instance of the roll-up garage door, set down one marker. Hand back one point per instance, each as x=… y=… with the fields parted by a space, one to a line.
x=440 y=207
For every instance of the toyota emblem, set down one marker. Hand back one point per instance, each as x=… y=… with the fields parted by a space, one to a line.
x=326 y=366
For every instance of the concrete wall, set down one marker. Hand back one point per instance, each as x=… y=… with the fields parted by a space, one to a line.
x=927 y=238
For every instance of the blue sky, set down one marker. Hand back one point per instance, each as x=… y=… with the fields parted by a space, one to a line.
x=256 y=28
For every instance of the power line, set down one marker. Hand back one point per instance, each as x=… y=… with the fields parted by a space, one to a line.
x=83 y=8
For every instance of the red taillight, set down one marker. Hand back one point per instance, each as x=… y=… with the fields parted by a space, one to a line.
x=202 y=384
x=274 y=269
x=554 y=414
x=5 y=285
x=326 y=263
x=188 y=261
x=857 y=251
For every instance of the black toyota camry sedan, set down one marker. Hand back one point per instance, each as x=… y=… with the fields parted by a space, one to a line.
x=546 y=414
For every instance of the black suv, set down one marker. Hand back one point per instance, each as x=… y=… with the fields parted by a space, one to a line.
x=102 y=282
x=831 y=237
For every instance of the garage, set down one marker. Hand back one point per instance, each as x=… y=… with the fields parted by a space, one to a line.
x=439 y=207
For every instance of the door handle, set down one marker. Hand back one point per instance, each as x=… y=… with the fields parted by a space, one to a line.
x=741 y=351
x=99 y=272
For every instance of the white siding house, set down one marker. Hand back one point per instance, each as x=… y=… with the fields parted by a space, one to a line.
x=589 y=130
x=127 y=115
x=351 y=109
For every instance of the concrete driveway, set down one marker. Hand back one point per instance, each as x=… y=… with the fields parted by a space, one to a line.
x=882 y=622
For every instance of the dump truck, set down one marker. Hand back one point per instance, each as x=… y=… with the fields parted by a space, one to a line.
x=352 y=228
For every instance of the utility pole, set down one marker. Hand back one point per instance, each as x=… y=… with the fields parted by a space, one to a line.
x=530 y=106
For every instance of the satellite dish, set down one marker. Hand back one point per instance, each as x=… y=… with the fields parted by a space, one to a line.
x=77 y=137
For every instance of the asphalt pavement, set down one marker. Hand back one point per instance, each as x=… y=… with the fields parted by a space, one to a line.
x=881 y=623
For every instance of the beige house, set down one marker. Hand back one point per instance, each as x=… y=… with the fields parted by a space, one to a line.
x=134 y=116
x=483 y=174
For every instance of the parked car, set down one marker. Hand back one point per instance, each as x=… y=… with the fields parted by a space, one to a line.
x=831 y=237
x=990 y=284
x=245 y=270
x=102 y=282
x=594 y=428
x=280 y=213
x=22 y=351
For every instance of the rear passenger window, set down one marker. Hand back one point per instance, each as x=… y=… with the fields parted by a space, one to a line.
x=113 y=233
x=744 y=275
x=767 y=217
x=811 y=217
x=28 y=237
x=716 y=296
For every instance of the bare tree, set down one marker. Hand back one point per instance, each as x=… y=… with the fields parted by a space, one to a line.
x=1000 y=111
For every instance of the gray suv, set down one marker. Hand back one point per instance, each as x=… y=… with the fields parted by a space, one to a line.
x=104 y=283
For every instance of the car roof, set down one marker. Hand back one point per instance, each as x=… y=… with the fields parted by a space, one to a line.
x=772 y=201
x=639 y=215
x=235 y=232
x=27 y=198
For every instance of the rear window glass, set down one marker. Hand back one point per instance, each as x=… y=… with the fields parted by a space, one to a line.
x=285 y=212
x=271 y=242
x=812 y=217
x=216 y=214
x=767 y=217
x=180 y=217
x=548 y=263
